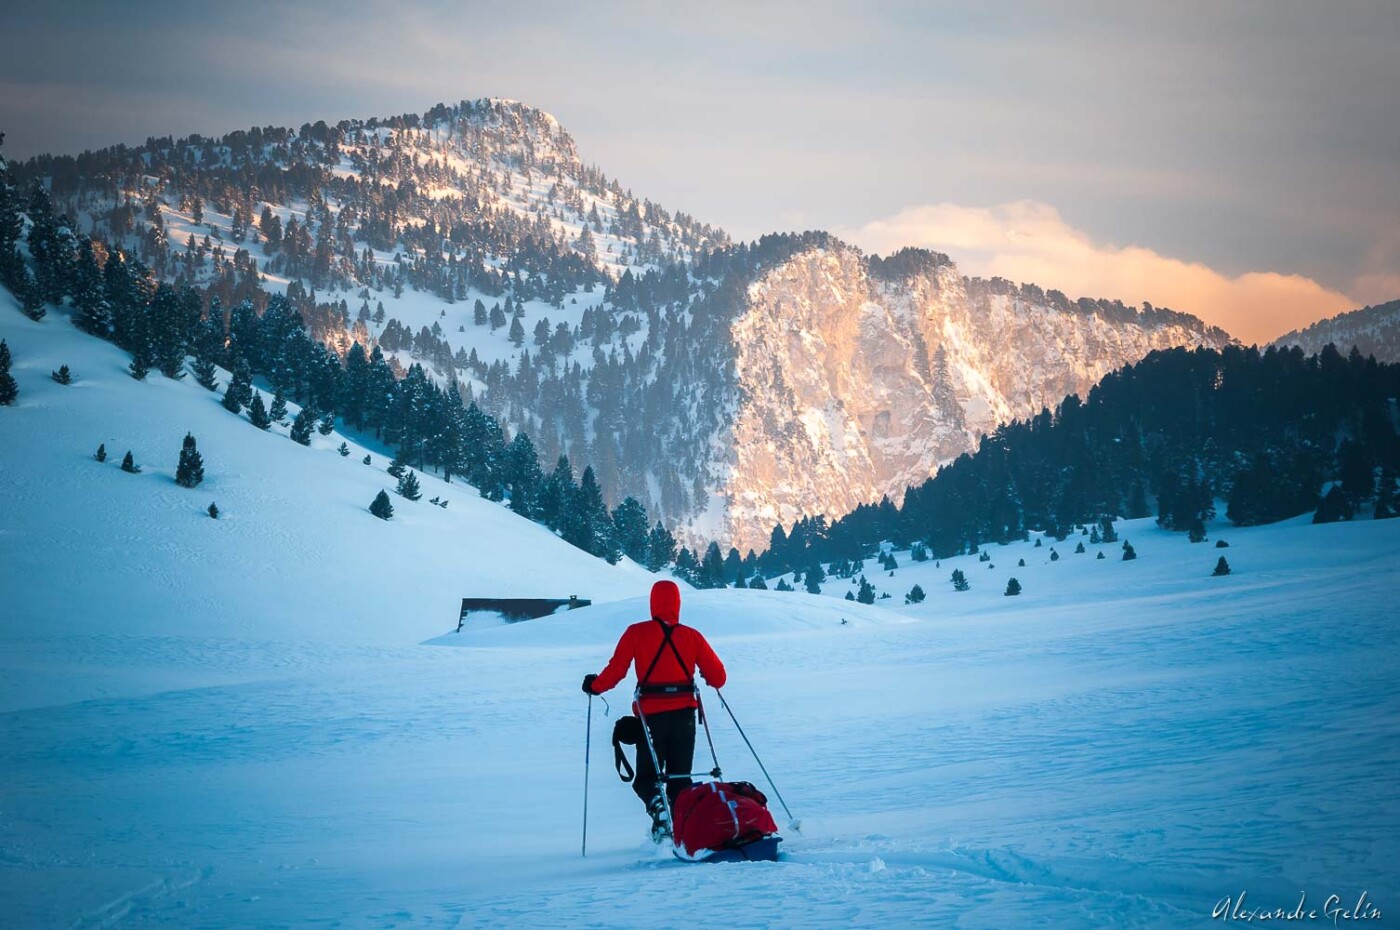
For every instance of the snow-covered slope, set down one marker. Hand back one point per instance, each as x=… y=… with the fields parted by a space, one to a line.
x=1372 y=330
x=249 y=722
x=90 y=551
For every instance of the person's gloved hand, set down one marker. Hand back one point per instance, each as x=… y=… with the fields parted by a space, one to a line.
x=588 y=684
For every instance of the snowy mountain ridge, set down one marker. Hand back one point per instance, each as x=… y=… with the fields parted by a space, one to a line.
x=1372 y=330
x=727 y=387
x=854 y=385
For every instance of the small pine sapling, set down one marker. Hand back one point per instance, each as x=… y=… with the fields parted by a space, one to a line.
x=1221 y=544
x=1100 y=555
x=63 y=375
x=1054 y=556
x=1222 y=567
x=960 y=582
x=365 y=460
x=327 y=424
x=382 y=507
x=301 y=426
x=396 y=467
x=139 y=367
x=101 y=454
x=1037 y=542
x=129 y=464
x=1021 y=563
x=214 y=510
x=190 y=470
x=1013 y=587
x=1129 y=553
x=408 y=486
x=344 y=450
x=915 y=595
x=1079 y=549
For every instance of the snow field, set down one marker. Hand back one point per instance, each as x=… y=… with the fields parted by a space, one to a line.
x=251 y=722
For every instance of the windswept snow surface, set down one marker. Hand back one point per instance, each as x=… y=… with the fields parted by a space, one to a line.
x=253 y=722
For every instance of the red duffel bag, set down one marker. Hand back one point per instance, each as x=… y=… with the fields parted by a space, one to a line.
x=720 y=815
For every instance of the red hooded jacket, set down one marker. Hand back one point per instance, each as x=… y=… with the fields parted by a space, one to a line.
x=641 y=643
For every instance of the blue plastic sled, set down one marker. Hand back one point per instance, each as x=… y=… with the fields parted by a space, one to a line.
x=764 y=850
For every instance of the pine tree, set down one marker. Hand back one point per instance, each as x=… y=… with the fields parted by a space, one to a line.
x=205 y=373
x=1106 y=531
x=89 y=295
x=784 y=586
x=129 y=464
x=915 y=595
x=1100 y=555
x=1222 y=567
x=756 y=583
x=1021 y=563
x=712 y=568
x=63 y=375
x=31 y=298
x=344 y=450
x=960 y=582
x=278 y=412
x=1013 y=587
x=140 y=366
x=1196 y=532
x=9 y=388
x=1054 y=556
x=1079 y=549
x=661 y=548
x=382 y=507
x=1129 y=553
x=257 y=413
x=397 y=466
x=301 y=426
x=327 y=423
x=867 y=592
x=630 y=523
x=1335 y=506
x=240 y=387
x=365 y=460
x=214 y=510
x=101 y=454
x=408 y=486
x=815 y=576
x=190 y=470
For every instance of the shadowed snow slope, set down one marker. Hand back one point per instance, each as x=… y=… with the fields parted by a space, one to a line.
x=234 y=723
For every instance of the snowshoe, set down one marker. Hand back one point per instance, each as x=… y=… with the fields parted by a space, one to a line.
x=660 y=823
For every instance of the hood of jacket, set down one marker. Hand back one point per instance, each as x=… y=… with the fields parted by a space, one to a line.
x=666 y=602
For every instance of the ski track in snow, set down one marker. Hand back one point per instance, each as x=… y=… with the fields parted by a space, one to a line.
x=296 y=746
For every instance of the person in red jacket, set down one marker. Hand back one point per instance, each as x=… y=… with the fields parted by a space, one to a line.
x=665 y=656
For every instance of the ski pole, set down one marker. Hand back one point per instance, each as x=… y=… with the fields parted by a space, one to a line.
x=587 y=752
x=793 y=822
x=709 y=739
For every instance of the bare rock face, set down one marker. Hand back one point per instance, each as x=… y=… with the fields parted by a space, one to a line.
x=853 y=385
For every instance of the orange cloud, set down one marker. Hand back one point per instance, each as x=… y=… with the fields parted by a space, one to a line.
x=1029 y=241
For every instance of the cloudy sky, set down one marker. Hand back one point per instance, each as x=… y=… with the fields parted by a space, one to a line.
x=1238 y=161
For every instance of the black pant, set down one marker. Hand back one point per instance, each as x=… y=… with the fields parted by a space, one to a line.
x=673 y=736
